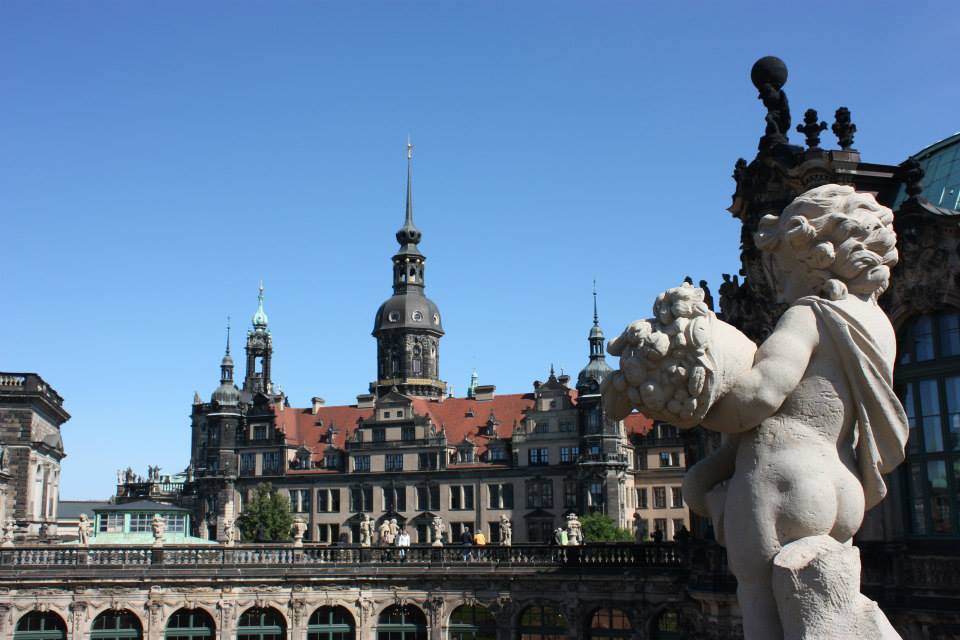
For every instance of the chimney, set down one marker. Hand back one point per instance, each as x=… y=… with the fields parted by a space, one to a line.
x=317 y=403
x=485 y=392
x=365 y=400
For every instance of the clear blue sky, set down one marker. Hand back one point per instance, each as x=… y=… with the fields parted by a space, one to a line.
x=157 y=159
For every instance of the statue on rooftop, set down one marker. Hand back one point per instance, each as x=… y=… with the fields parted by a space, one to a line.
x=83 y=530
x=506 y=530
x=366 y=530
x=439 y=529
x=811 y=420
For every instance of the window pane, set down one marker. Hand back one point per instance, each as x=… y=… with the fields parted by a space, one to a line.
x=950 y=334
x=913 y=441
x=952 y=391
x=930 y=411
x=939 y=497
x=923 y=339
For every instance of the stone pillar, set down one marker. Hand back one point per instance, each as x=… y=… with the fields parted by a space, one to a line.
x=297 y=613
x=155 y=621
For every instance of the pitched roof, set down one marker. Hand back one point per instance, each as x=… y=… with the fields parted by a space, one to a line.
x=459 y=417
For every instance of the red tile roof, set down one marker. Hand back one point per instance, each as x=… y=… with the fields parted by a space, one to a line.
x=460 y=417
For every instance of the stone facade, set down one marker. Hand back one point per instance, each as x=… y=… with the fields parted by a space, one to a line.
x=31 y=413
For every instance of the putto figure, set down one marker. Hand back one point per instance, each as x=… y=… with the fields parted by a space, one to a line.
x=811 y=418
x=83 y=530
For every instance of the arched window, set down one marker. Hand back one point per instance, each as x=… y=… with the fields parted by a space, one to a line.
x=927 y=377
x=116 y=625
x=189 y=624
x=667 y=626
x=542 y=623
x=472 y=623
x=38 y=625
x=402 y=622
x=331 y=623
x=610 y=623
x=258 y=623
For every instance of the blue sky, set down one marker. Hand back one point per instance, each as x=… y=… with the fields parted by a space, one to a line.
x=158 y=159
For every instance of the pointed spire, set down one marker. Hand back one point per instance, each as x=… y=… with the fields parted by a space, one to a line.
x=408 y=233
x=260 y=317
x=228 y=336
x=596 y=319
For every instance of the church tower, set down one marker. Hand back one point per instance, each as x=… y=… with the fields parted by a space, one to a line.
x=259 y=352
x=407 y=326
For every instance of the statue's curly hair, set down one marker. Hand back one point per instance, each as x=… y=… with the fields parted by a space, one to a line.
x=823 y=228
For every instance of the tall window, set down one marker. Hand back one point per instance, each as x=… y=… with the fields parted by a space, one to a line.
x=395 y=498
x=539 y=494
x=928 y=382
x=610 y=623
x=402 y=622
x=380 y=433
x=428 y=498
x=261 y=624
x=676 y=498
x=501 y=496
x=669 y=458
x=248 y=464
x=472 y=623
x=300 y=500
x=271 y=462
x=542 y=623
x=539 y=530
x=394 y=462
x=659 y=497
x=189 y=624
x=361 y=499
x=461 y=497
x=538 y=456
x=570 y=493
x=427 y=461
x=361 y=463
x=116 y=625
x=328 y=500
x=568 y=455
x=331 y=623
x=597 y=498
x=642 y=498
x=38 y=625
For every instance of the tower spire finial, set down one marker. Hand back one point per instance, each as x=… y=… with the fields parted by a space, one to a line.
x=260 y=317
x=596 y=319
x=409 y=221
x=228 y=335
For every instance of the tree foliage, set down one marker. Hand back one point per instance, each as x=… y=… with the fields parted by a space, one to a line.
x=598 y=527
x=266 y=516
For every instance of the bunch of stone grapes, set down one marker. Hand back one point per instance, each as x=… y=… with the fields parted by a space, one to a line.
x=665 y=365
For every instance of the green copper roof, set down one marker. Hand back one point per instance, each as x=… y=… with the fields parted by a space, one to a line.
x=260 y=317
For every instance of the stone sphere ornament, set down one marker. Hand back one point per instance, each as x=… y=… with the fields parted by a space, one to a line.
x=769 y=70
x=810 y=419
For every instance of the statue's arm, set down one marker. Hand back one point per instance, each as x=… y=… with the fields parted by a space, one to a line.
x=706 y=474
x=777 y=369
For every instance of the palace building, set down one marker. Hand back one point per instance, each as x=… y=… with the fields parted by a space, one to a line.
x=410 y=451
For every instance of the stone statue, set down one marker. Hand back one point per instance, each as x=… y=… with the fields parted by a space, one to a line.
x=83 y=530
x=159 y=526
x=394 y=530
x=229 y=532
x=384 y=533
x=439 y=529
x=811 y=420
x=574 y=531
x=298 y=528
x=506 y=530
x=9 y=527
x=639 y=530
x=366 y=531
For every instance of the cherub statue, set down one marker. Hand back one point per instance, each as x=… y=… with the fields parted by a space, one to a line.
x=384 y=533
x=229 y=532
x=506 y=530
x=83 y=530
x=366 y=530
x=811 y=420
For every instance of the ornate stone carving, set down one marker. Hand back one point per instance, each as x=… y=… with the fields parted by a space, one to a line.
x=844 y=128
x=817 y=396
x=811 y=128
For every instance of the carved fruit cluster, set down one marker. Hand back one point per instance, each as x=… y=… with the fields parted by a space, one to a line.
x=664 y=364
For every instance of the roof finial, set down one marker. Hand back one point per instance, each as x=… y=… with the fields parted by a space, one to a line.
x=260 y=317
x=408 y=233
x=228 y=335
x=596 y=319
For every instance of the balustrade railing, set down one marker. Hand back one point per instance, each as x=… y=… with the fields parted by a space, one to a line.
x=652 y=555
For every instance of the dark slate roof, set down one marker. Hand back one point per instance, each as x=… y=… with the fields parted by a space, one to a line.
x=71 y=509
x=140 y=505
